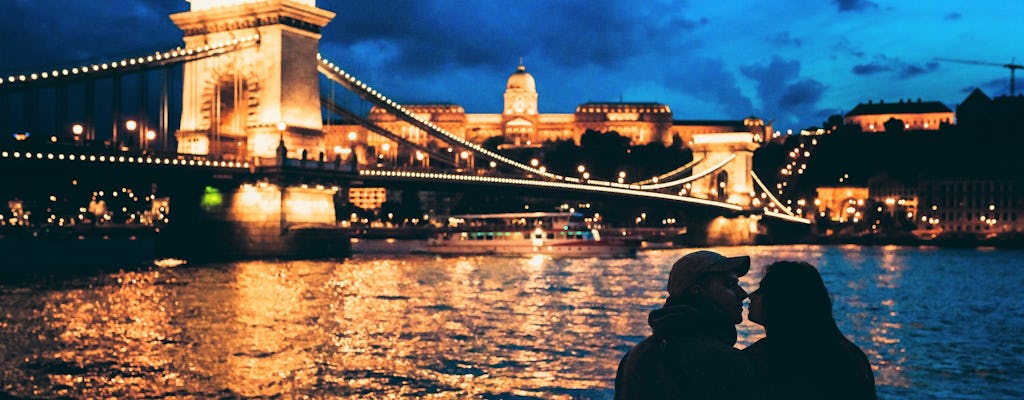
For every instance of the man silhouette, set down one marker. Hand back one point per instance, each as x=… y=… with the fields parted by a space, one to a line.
x=690 y=353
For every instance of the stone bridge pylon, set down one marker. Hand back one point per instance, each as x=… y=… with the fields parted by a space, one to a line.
x=235 y=104
x=729 y=158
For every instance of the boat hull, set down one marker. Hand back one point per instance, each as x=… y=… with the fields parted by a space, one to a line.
x=573 y=248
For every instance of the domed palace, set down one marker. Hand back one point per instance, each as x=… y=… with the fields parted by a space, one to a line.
x=520 y=124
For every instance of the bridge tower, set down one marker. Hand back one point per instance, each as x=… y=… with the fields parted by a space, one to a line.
x=732 y=182
x=241 y=104
x=260 y=104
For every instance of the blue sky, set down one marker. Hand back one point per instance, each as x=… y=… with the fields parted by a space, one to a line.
x=794 y=62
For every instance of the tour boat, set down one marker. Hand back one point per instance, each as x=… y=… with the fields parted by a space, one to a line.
x=546 y=233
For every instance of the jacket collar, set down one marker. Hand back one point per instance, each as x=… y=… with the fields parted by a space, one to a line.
x=692 y=317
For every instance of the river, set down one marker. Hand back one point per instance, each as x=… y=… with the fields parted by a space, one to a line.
x=935 y=323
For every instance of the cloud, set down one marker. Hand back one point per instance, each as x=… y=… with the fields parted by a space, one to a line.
x=909 y=71
x=431 y=36
x=870 y=69
x=953 y=16
x=84 y=34
x=792 y=100
x=785 y=39
x=855 y=5
x=902 y=69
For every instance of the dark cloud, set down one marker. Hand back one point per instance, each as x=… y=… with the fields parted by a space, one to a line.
x=870 y=69
x=884 y=64
x=953 y=16
x=785 y=95
x=709 y=79
x=855 y=5
x=35 y=38
x=785 y=39
x=802 y=94
x=570 y=33
x=909 y=71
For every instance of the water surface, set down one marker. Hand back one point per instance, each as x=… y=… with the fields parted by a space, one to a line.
x=935 y=323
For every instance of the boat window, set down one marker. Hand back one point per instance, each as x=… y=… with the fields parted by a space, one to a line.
x=551 y=235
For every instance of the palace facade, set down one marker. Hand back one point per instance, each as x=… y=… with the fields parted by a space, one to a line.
x=520 y=124
x=917 y=116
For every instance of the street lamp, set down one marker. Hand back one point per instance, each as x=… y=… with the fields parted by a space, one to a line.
x=77 y=130
x=150 y=135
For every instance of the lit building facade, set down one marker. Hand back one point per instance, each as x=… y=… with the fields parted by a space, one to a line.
x=842 y=203
x=520 y=124
x=917 y=116
x=982 y=207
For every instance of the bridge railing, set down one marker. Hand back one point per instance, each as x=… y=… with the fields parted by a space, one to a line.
x=336 y=165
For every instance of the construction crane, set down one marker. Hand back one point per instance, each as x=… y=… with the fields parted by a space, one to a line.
x=1013 y=68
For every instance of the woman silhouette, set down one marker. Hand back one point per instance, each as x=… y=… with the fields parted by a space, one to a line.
x=803 y=354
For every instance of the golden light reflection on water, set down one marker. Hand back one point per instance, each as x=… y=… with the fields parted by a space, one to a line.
x=408 y=327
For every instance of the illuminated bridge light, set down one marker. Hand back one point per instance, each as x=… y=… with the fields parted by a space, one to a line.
x=49 y=156
x=60 y=156
x=21 y=78
x=34 y=76
x=120 y=159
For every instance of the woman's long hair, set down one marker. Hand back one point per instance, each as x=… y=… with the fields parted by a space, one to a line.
x=808 y=357
x=797 y=311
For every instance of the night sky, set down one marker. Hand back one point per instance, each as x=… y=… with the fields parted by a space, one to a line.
x=794 y=62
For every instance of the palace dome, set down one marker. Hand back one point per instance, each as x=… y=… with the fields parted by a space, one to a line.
x=521 y=80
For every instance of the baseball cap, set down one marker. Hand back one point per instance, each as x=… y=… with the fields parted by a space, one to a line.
x=687 y=269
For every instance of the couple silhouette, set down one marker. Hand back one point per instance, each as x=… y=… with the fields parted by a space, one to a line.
x=690 y=354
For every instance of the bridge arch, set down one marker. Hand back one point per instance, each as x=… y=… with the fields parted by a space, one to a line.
x=732 y=153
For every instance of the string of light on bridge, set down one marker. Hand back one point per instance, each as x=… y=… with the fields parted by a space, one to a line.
x=548 y=184
x=134 y=62
x=384 y=101
x=693 y=177
x=28 y=155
